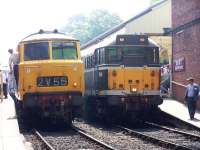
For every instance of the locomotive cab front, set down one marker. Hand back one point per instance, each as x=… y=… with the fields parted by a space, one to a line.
x=123 y=78
x=50 y=75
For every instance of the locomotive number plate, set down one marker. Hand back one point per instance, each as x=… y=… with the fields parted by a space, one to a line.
x=52 y=81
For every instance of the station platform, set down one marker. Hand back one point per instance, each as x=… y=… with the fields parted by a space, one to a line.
x=180 y=111
x=10 y=137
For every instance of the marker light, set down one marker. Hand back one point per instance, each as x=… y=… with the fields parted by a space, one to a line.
x=114 y=73
x=153 y=73
x=75 y=84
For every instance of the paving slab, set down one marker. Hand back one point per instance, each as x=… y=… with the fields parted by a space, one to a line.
x=180 y=111
x=10 y=137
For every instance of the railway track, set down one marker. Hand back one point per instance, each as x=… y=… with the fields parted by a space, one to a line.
x=116 y=137
x=46 y=145
x=149 y=136
x=37 y=141
x=72 y=139
x=93 y=139
x=189 y=133
x=167 y=137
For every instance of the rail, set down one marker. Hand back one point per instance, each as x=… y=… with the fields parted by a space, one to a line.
x=47 y=145
x=157 y=141
x=93 y=139
x=191 y=135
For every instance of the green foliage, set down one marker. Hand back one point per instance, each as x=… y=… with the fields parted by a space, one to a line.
x=87 y=26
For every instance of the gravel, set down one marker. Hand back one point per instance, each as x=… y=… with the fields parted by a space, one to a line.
x=35 y=143
x=70 y=140
x=171 y=137
x=190 y=131
x=116 y=137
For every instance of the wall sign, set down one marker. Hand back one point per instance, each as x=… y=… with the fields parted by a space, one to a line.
x=179 y=64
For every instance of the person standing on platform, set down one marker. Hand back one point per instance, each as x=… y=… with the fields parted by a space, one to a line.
x=12 y=90
x=5 y=81
x=1 y=86
x=14 y=60
x=12 y=87
x=191 y=96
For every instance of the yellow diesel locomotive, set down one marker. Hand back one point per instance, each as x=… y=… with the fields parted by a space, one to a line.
x=122 y=79
x=51 y=77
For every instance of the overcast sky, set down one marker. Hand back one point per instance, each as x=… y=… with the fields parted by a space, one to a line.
x=20 y=18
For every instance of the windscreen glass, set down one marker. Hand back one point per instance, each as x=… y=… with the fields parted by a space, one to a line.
x=36 y=51
x=136 y=56
x=64 y=50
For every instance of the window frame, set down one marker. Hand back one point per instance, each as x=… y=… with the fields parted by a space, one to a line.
x=64 y=41
x=35 y=42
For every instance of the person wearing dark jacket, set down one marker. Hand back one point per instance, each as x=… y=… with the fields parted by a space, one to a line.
x=5 y=83
x=191 y=96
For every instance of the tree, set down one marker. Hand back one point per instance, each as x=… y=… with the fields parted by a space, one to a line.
x=87 y=26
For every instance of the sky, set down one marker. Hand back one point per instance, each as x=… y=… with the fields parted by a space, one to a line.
x=20 y=18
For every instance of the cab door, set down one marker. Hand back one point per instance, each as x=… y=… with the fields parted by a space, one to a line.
x=100 y=70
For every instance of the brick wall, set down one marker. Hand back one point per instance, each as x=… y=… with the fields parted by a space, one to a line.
x=186 y=43
x=184 y=11
x=179 y=93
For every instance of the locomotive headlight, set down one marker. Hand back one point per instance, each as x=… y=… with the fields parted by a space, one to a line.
x=75 y=84
x=122 y=99
x=134 y=90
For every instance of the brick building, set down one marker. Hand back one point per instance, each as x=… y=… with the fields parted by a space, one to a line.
x=185 y=44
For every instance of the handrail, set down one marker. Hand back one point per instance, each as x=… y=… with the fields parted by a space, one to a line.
x=182 y=85
x=163 y=81
x=177 y=83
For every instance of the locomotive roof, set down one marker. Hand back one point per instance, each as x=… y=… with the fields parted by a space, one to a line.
x=47 y=36
x=91 y=50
